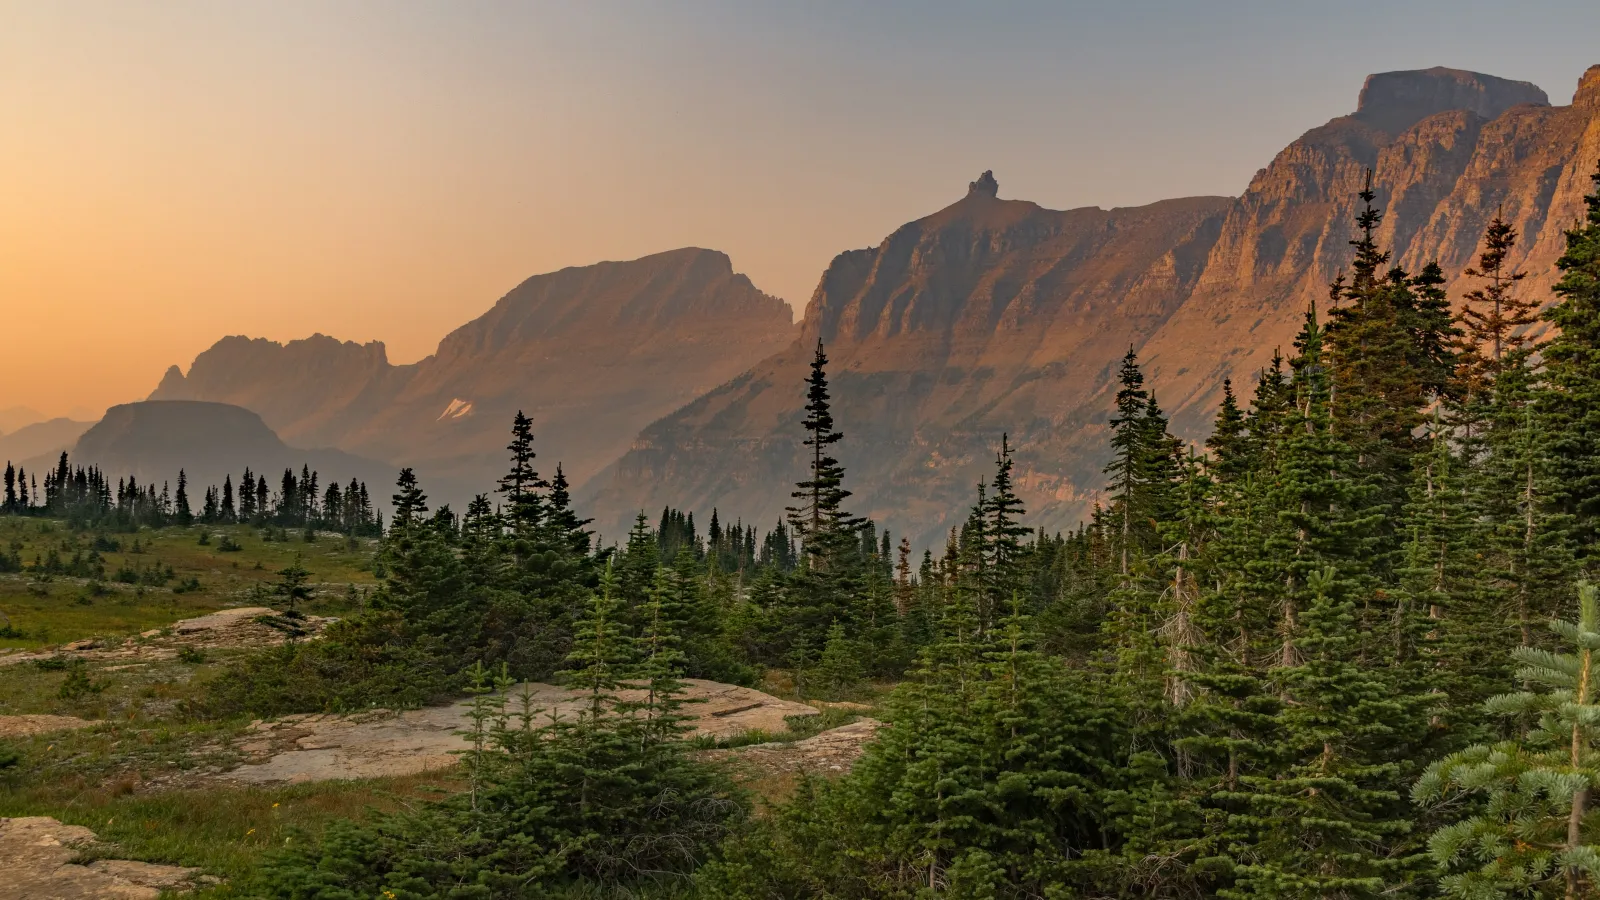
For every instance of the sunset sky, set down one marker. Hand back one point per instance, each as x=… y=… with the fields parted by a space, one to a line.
x=172 y=172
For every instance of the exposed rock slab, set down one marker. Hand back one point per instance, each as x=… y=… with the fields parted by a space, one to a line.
x=224 y=629
x=36 y=856
x=221 y=620
x=830 y=753
x=381 y=743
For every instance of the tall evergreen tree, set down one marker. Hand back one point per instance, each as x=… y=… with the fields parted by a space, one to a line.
x=524 y=507
x=1570 y=408
x=826 y=531
x=180 y=501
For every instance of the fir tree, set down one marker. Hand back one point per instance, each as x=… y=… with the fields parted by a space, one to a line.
x=410 y=503
x=180 y=501
x=1333 y=823
x=826 y=531
x=1570 y=408
x=524 y=505
x=1533 y=831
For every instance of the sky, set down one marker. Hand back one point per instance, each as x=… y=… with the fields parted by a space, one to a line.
x=173 y=172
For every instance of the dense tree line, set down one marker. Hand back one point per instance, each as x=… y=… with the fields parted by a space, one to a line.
x=87 y=498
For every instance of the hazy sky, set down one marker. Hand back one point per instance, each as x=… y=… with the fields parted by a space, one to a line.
x=174 y=172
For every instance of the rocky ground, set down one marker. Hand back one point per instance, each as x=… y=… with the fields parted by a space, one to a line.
x=832 y=752
x=40 y=859
x=381 y=743
x=44 y=859
x=225 y=629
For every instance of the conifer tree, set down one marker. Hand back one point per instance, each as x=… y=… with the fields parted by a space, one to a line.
x=1534 y=832
x=1450 y=635
x=1332 y=824
x=524 y=508
x=1387 y=338
x=1129 y=458
x=1570 y=408
x=1004 y=533
x=826 y=531
x=180 y=501
x=247 y=496
x=410 y=503
x=1227 y=443
x=1493 y=316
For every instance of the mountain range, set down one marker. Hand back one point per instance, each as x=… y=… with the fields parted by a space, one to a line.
x=672 y=380
x=590 y=354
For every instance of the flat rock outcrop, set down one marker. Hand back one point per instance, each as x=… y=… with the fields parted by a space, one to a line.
x=832 y=752
x=376 y=744
x=36 y=859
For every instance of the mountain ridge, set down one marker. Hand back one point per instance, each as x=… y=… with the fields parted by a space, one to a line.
x=684 y=319
x=993 y=315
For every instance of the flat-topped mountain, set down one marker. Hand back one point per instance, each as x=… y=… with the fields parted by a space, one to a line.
x=997 y=315
x=591 y=354
x=153 y=439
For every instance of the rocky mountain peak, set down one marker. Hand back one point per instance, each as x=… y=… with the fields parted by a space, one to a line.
x=172 y=384
x=1394 y=101
x=1588 y=94
x=985 y=185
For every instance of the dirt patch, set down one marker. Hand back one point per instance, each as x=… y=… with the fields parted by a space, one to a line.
x=37 y=853
x=23 y=726
x=832 y=752
x=226 y=629
x=380 y=743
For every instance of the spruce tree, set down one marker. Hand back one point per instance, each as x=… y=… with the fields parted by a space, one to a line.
x=1128 y=468
x=826 y=531
x=1332 y=823
x=410 y=503
x=524 y=507
x=1570 y=407
x=180 y=501
x=1227 y=443
x=1532 y=830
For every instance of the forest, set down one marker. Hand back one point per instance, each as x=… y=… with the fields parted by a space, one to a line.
x=1342 y=650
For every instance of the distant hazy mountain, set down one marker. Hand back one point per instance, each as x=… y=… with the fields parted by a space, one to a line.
x=152 y=440
x=40 y=439
x=996 y=315
x=16 y=417
x=591 y=354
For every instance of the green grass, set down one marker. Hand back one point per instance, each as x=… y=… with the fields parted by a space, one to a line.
x=56 y=609
x=123 y=690
x=140 y=777
x=223 y=830
x=143 y=788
